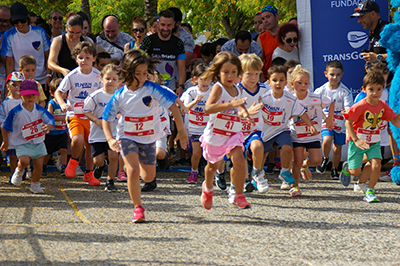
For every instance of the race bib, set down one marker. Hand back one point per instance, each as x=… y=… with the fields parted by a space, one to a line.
x=247 y=128
x=303 y=130
x=198 y=118
x=339 y=120
x=226 y=125
x=272 y=118
x=33 y=130
x=60 y=124
x=139 y=126
x=78 y=109
x=369 y=136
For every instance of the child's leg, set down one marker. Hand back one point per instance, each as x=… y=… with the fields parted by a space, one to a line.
x=238 y=171
x=160 y=153
x=298 y=163
x=99 y=160
x=13 y=163
x=77 y=143
x=46 y=159
x=121 y=163
x=23 y=162
x=375 y=171
x=131 y=161
x=196 y=155
x=113 y=164
x=63 y=156
x=147 y=172
x=257 y=149
x=89 y=158
x=209 y=172
x=37 y=168
x=286 y=156
x=326 y=146
x=314 y=159
x=337 y=154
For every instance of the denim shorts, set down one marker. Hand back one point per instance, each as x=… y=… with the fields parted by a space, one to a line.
x=32 y=150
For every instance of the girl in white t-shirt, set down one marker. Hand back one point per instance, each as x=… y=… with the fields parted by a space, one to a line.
x=139 y=127
x=222 y=135
x=303 y=138
x=194 y=98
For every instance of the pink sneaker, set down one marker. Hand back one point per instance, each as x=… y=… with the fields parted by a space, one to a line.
x=192 y=178
x=295 y=192
x=206 y=197
x=241 y=202
x=121 y=177
x=305 y=174
x=139 y=215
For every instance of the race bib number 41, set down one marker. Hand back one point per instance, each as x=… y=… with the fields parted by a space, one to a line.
x=33 y=130
x=139 y=126
x=227 y=125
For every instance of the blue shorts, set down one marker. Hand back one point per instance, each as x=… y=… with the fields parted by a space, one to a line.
x=10 y=152
x=338 y=138
x=146 y=152
x=280 y=140
x=308 y=145
x=32 y=150
x=253 y=136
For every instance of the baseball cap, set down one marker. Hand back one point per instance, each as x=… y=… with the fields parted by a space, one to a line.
x=365 y=7
x=270 y=9
x=19 y=12
x=15 y=76
x=28 y=87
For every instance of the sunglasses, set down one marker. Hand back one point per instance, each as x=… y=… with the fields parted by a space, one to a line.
x=3 y=20
x=59 y=18
x=141 y=30
x=23 y=21
x=290 y=40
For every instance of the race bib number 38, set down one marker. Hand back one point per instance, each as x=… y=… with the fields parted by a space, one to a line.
x=226 y=125
x=33 y=130
x=139 y=126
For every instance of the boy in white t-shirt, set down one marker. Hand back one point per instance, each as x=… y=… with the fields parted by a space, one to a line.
x=25 y=126
x=80 y=82
x=342 y=96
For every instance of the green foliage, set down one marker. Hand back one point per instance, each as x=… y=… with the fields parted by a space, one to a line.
x=41 y=7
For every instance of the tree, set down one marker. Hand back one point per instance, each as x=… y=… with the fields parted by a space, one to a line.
x=150 y=9
x=85 y=7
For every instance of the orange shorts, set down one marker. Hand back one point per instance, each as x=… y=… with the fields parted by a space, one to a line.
x=77 y=126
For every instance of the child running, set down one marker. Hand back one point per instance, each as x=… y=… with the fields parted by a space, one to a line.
x=195 y=99
x=363 y=124
x=139 y=126
x=223 y=135
x=302 y=137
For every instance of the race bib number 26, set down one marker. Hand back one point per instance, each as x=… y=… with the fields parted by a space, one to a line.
x=33 y=130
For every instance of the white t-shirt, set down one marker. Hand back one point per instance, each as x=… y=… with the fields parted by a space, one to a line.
x=26 y=126
x=79 y=86
x=251 y=99
x=140 y=110
x=278 y=113
x=313 y=103
x=343 y=99
x=196 y=120
x=222 y=125
x=293 y=55
x=165 y=122
x=96 y=103
x=6 y=106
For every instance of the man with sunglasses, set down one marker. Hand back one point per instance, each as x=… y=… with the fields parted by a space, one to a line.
x=368 y=16
x=24 y=39
x=5 y=16
x=242 y=44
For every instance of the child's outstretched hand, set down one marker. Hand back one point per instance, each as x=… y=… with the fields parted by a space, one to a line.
x=361 y=144
x=4 y=146
x=250 y=121
x=238 y=102
x=183 y=138
x=329 y=122
x=65 y=107
x=47 y=128
x=114 y=145
x=184 y=110
x=252 y=110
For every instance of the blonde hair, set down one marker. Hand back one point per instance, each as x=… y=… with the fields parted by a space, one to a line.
x=298 y=70
x=221 y=58
x=109 y=67
x=251 y=62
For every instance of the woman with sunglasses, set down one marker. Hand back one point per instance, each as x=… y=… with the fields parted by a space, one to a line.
x=139 y=31
x=288 y=36
x=56 y=23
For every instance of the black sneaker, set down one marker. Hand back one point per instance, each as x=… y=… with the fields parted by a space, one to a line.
x=183 y=162
x=322 y=167
x=248 y=186
x=149 y=186
x=110 y=187
x=334 y=174
x=164 y=163
x=62 y=171
x=44 y=171
x=220 y=180
x=98 y=170
x=270 y=168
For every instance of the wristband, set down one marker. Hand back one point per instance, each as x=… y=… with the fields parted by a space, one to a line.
x=183 y=86
x=49 y=75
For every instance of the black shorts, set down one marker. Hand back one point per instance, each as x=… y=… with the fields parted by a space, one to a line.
x=309 y=145
x=54 y=143
x=98 y=148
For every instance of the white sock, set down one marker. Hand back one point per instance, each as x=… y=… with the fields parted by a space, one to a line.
x=283 y=169
x=196 y=171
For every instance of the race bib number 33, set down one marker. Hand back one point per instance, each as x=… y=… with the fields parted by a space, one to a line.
x=139 y=126
x=33 y=130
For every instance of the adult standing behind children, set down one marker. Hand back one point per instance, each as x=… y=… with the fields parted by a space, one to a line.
x=24 y=39
x=170 y=49
x=242 y=44
x=288 y=37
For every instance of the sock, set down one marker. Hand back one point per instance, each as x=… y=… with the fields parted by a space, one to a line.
x=76 y=159
x=284 y=169
x=208 y=189
x=232 y=187
x=219 y=172
x=255 y=171
x=87 y=171
x=196 y=171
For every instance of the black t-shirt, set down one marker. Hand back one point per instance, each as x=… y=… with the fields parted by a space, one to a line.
x=374 y=45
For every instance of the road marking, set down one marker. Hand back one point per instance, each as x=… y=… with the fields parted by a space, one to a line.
x=73 y=205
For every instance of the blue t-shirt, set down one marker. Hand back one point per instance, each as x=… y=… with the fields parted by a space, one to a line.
x=57 y=111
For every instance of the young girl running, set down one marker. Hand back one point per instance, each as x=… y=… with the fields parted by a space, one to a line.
x=140 y=126
x=196 y=120
x=303 y=137
x=223 y=135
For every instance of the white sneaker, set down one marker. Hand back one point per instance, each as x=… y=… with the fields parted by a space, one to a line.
x=36 y=189
x=262 y=182
x=16 y=178
x=360 y=187
x=231 y=195
x=79 y=171
x=29 y=172
x=285 y=186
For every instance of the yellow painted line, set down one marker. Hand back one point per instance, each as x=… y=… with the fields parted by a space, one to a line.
x=73 y=205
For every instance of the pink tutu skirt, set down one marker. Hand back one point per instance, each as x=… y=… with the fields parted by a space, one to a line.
x=214 y=154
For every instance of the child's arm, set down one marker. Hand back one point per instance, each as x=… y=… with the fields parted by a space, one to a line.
x=64 y=106
x=181 y=135
x=4 y=145
x=184 y=109
x=194 y=102
x=94 y=119
x=213 y=107
x=329 y=120
x=113 y=143
x=350 y=130
x=252 y=110
x=307 y=120
x=396 y=121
